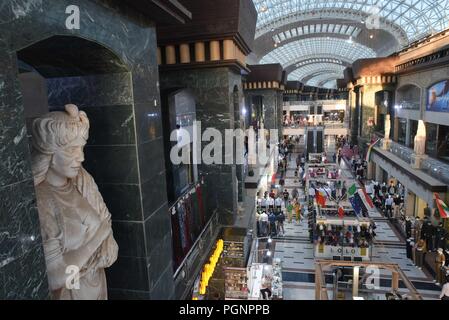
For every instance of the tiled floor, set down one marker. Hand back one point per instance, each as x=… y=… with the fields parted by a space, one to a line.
x=296 y=253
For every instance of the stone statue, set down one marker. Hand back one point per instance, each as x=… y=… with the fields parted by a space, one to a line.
x=420 y=139
x=387 y=127
x=75 y=223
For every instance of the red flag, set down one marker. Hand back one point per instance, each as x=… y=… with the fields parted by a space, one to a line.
x=442 y=207
x=273 y=179
x=320 y=199
x=341 y=212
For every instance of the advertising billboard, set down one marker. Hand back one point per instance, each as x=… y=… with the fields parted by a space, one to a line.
x=438 y=97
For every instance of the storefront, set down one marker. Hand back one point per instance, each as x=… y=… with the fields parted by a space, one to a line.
x=348 y=239
x=224 y=275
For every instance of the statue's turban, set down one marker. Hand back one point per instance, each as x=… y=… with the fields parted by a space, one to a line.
x=60 y=129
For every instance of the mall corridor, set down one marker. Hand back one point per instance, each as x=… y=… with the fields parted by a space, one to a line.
x=296 y=251
x=232 y=150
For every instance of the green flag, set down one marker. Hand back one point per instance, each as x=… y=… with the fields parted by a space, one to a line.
x=352 y=189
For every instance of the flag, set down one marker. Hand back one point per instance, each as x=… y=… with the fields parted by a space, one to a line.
x=352 y=190
x=370 y=148
x=356 y=205
x=341 y=212
x=366 y=199
x=442 y=207
x=320 y=198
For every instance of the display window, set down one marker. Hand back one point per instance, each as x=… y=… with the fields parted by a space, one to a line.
x=402 y=130
x=443 y=143
x=431 y=138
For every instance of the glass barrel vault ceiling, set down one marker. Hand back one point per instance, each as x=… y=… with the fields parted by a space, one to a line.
x=325 y=29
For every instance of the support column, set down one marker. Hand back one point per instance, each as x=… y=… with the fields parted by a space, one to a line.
x=396 y=129
x=184 y=53
x=395 y=281
x=170 y=54
x=407 y=134
x=213 y=89
x=355 y=281
x=378 y=173
x=370 y=172
x=229 y=50
x=215 y=50
x=200 y=52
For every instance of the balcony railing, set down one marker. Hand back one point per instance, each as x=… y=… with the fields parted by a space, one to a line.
x=436 y=169
x=326 y=124
x=407 y=105
x=433 y=167
x=401 y=151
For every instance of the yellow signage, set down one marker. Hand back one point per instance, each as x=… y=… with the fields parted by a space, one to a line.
x=208 y=269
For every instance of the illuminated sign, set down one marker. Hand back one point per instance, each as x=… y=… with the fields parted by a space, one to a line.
x=208 y=269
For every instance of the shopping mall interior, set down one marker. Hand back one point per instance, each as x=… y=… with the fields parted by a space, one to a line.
x=224 y=150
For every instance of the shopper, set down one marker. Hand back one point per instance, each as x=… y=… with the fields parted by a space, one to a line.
x=265 y=288
x=272 y=224
x=420 y=250
x=270 y=202
x=286 y=196
x=280 y=223
x=391 y=189
x=289 y=211
x=278 y=204
x=263 y=223
x=298 y=161
x=444 y=295
x=295 y=193
x=298 y=212
x=376 y=189
x=389 y=207
x=384 y=189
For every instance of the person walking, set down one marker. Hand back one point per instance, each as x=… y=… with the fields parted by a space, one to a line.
x=286 y=196
x=272 y=224
x=280 y=223
x=295 y=193
x=298 y=212
x=289 y=211
x=263 y=218
x=389 y=207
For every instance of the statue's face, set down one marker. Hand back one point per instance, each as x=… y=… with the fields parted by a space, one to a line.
x=67 y=162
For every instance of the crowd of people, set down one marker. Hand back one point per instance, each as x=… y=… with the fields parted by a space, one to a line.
x=296 y=120
x=348 y=236
x=270 y=212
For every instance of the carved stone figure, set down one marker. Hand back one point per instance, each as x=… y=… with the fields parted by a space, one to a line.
x=75 y=222
x=420 y=139
x=387 y=127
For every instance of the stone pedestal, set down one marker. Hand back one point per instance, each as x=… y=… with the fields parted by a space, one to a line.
x=386 y=144
x=417 y=160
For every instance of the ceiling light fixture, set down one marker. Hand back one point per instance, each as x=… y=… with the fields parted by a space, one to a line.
x=263 y=8
x=371 y=36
